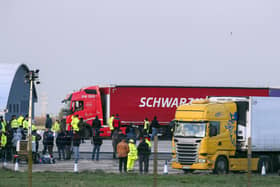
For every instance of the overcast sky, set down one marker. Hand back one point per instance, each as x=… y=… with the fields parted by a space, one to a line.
x=156 y=42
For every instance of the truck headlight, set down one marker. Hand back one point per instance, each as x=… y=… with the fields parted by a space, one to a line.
x=202 y=160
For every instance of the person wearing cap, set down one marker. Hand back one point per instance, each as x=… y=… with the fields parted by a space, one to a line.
x=122 y=150
x=132 y=155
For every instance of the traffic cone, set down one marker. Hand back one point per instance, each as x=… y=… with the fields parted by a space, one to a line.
x=76 y=167
x=165 y=170
x=263 y=170
x=5 y=163
x=16 y=164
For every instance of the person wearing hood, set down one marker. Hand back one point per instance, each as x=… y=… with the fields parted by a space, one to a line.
x=132 y=155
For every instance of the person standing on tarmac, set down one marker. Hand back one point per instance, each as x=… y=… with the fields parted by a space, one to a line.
x=14 y=123
x=96 y=125
x=75 y=123
x=60 y=143
x=123 y=150
x=111 y=124
x=132 y=155
x=117 y=122
x=115 y=138
x=56 y=128
x=143 y=154
x=76 y=145
x=146 y=127
x=68 y=143
x=20 y=121
x=155 y=126
x=97 y=142
x=48 y=123
x=25 y=123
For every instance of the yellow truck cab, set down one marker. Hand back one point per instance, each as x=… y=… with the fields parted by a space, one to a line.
x=212 y=135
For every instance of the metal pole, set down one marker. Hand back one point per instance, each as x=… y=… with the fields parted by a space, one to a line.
x=155 y=159
x=30 y=135
x=249 y=161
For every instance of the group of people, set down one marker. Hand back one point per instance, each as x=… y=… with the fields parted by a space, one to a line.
x=128 y=153
x=13 y=131
x=69 y=139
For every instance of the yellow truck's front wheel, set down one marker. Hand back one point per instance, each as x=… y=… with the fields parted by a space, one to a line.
x=221 y=166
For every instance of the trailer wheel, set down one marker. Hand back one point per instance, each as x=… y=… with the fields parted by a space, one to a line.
x=221 y=166
x=266 y=161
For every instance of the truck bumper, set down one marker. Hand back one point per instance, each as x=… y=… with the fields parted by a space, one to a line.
x=195 y=166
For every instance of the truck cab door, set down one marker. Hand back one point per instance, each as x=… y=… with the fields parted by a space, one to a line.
x=214 y=140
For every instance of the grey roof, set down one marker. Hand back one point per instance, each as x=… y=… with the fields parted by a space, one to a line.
x=7 y=75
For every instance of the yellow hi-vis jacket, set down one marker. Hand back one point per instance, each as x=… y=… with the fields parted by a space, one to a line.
x=56 y=127
x=3 y=140
x=20 y=120
x=133 y=153
x=111 y=123
x=75 y=121
x=25 y=124
x=149 y=143
x=4 y=124
x=14 y=123
x=146 y=125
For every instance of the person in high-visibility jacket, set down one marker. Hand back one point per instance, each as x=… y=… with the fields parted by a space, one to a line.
x=75 y=123
x=3 y=124
x=56 y=126
x=25 y=123
x=111 y=123
x=146 y=126
x=132 y=155
x=20 y=121
x=14 y=122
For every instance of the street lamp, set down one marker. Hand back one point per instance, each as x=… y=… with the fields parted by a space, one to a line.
x=30 y=77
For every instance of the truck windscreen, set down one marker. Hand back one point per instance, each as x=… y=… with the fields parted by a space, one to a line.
x=190 y=129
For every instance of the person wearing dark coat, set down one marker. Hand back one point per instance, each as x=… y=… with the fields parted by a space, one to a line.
x=155 y=126
x=97 y=142
x=60 y=143
x=48 y=124
x=48 y=141
x=143 y=155
x=96 y=125
x=68 y=143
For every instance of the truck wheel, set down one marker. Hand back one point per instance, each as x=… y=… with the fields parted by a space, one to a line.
x=221 y=166
x=265 y=160
x=188 y=171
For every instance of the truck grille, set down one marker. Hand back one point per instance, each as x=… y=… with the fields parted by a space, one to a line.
x=186 y=153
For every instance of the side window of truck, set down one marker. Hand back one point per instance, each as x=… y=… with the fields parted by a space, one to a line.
x=214 y=127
